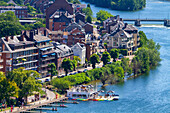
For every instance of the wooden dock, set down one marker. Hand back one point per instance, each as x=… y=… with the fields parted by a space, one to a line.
x=68 y=102
x=33 y=112
x=53 y=105
x=41 y=104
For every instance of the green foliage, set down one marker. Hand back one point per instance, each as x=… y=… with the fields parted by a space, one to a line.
x=87 y=11
x=9 y=24
x=75 y=62
x=105 y=45
x=64 y=83
x=67 y=65
x=146 y=56
x=119 y=72
x=7 y=88
x=103 y=15
x=25 y=80
x=114 y=53
x=105 y=75
x=74 y=1
x=94 y=59
x=52 y=69
x=105 y=57
x=124 y=52
x=127 y=5
x=89 y=19
x=126 y=65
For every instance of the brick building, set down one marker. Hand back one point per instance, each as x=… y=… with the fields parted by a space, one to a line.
x=58 y=5
x=20 y=11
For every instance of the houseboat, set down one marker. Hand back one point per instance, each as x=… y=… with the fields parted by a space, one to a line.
x=88 y=93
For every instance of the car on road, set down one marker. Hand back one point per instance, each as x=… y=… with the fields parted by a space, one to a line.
x=109 y=63
x=75 y=73
x=47 y=80
x=79 y=71
x=121 y=56
x=48 y=75
x=85 y=70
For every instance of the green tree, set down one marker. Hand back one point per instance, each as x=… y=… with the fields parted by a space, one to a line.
x=24 y=79
x=52 y=70
x=89 y=19
x=75 y=62
x=119 y=72
x=94 y=59
x=67 y=65
x=105 y=57
x=38 y=24
x=105 y=45
x=9 y=24
x=105 y=75
x=61 y=84
x=114 y=53
x=7 y=88
x=126 y=65
x=103 y=15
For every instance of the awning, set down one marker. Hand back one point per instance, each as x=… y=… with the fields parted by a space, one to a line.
x=43 y=49
x=44 y=55
x=53 y=54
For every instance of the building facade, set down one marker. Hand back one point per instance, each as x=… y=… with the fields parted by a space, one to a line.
x=80 y=51
x=20 y=11
x=17 y=51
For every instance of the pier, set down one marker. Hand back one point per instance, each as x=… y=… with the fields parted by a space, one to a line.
x=166 y=22
x=68 y=102
x=28 y=108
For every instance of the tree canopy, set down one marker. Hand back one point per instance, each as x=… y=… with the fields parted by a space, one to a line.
x=103 y=15
x=67 y=65
x=105 y=57
x=9 y=24
x=25 y=80
x=52 y=70
x=127 y=5
x=114 y=53
x=94 y=59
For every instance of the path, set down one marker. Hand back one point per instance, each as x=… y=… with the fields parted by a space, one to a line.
x=51 y=96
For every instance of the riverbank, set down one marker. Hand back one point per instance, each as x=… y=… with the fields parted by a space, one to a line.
x=122 y=5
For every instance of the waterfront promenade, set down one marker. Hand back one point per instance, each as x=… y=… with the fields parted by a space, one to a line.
x=51 y=98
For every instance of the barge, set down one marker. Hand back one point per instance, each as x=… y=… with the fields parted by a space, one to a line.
x=88 y=93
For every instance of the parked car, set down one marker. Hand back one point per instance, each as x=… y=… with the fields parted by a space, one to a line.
x=85 y=70
x=109 y=63
x=79 y=71
x=48 y=75
x=121 y=56
x=47 y=80
x=75 y=73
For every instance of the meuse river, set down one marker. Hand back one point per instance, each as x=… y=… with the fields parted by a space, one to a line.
x=146 y=93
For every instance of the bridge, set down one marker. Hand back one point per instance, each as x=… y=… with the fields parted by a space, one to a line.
x=137 y=21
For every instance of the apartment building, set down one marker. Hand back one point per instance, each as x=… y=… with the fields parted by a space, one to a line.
x=20 y=11
x=17 y=51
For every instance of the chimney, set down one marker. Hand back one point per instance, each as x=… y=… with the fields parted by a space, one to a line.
x=45 y=32
x=31 y=35
x=22 y=37
x=37 y=32
x=7 y=38
x=126 y=25
x=3 y=47
x=12 y=37
x=34 y=32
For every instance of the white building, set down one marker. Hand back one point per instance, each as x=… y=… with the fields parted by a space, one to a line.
x=80 y=51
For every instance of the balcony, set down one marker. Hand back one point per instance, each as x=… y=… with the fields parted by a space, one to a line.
x=47 y=52
x=22 y=56
x=27 y=62
x=1 y=67
x=49 y=58
x=1 y=60
x=30 y=68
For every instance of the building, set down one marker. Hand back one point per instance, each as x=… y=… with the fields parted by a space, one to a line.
x=80 y=51
x=124 y=38
x=56 y=7
x=62 y=51
x=20 y=11
x=74 y=33
x=113 y=23
x=17 y=51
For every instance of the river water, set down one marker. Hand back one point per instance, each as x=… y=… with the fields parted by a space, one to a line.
x=146 y=93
